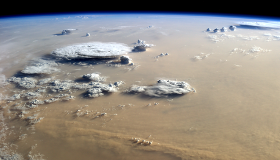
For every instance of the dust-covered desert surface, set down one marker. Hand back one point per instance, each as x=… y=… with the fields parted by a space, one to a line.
x=139 y=87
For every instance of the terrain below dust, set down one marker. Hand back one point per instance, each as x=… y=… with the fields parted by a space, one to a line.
x=167 y=88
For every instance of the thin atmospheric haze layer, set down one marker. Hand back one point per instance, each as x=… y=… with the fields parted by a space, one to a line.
x=139 y=86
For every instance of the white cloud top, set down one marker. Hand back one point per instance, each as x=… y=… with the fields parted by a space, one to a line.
x=93 y=50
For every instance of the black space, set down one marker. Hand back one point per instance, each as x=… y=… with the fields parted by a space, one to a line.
x=231 y=8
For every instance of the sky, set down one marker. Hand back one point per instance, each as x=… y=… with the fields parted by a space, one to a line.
x=211 y=7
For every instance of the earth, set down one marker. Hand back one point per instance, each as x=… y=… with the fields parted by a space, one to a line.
x=139 y=86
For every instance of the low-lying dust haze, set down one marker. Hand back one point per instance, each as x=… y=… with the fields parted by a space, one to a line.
x=178 y=92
